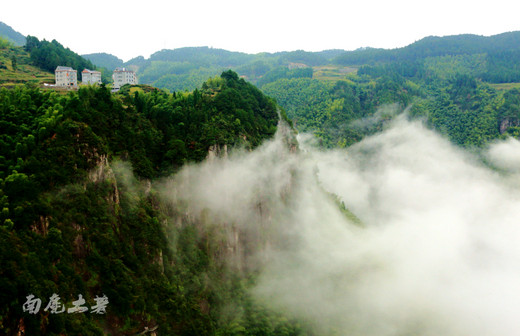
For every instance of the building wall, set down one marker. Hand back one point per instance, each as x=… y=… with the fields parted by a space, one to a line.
x=91 y=77
x=122 y=77
x=67 y=78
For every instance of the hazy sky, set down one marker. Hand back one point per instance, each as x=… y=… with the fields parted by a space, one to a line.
x=132 y=28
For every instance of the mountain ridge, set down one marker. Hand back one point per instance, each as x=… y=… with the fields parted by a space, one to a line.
x=432 y=46
x=11 y=34
x=491 y=42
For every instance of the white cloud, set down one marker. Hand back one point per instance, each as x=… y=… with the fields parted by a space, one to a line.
x=438 y=255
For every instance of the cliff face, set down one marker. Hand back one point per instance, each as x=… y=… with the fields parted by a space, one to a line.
x=216 y=150
x=508 y=122
x=237 y=197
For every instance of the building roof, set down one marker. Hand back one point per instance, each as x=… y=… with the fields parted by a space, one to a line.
x=122 y=70
x=64 y=68
x=90 y=71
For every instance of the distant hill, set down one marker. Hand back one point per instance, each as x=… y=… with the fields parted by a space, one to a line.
x=187 y=68
x=104 y=60
x=434 y=46
x=203 y=55
x=331 y=53
x=12 y=35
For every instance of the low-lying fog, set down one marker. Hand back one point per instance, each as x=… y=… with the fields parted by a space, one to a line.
x=438 y=250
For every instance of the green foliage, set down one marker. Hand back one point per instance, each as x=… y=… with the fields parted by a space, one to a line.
x=445 y=67
x=503 y=66
x=187 y=68
x=305 y=57
x=284 y=72
x=333 y=111
x=183 y=81
x=49 y=55
x=433 y=46
x=4 y=43
x=67 y=226
x=202 y=56
x=465 y=111
x=14 y=63
x=442 y=80
x=16 y=67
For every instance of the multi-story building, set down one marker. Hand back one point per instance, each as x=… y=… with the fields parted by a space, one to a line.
x=66 y=77
x=90 y=77
x=122 y=76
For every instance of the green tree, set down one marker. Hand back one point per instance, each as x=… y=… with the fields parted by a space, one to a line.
x=14 y=63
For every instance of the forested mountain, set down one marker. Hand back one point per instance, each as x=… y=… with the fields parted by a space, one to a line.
x=467 y=110
x=461 y=85
x=104 y=60
x=49 y=55
x=75 y=221
x=187 y=68
x=203 y=56
x=434 y=46
x=11 y=34
x=491 y=59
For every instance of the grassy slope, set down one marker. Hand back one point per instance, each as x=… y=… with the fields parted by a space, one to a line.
x=24 y=73
x=502 y=87
x=332 y=72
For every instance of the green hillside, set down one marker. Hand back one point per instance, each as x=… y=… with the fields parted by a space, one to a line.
x=49 y=55
x=16 y=67
x=491 y=59
x=187 y=68
x=463 y=86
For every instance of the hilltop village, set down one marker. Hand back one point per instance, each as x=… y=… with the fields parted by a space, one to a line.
x=67 y=77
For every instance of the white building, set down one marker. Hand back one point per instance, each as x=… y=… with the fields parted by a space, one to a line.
x=66 y=77
x=122 y=76
x=90 y=77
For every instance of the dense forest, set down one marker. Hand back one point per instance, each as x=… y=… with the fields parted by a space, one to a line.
x=463 y=86
x=469 y=112
x=49 y=55
x=75 y=221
